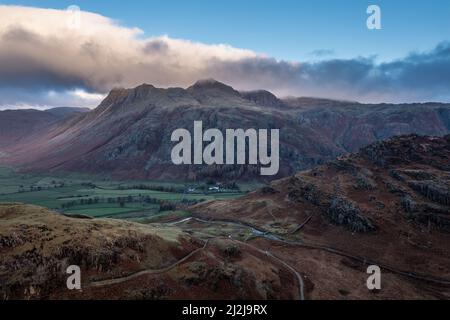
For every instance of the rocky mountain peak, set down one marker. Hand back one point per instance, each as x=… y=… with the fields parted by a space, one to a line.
x=262 y=97
x=210 y=85
x=116 y=95
x=122 y=96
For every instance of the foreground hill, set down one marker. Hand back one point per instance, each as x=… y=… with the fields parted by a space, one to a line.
x=123 y=260
x=128 y=134
x=388 y=205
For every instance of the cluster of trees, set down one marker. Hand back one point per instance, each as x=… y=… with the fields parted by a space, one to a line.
x=152 y=187
x=88 y=185
x=164 y=205
x=33 y=188
x=81 y=202
x=172 y=189
x=191 y=201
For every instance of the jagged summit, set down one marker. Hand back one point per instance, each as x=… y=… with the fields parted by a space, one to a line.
x=114 y=96
x=211 y=91
x=262 y=97
x=209 y=82
x=209 y=85
x=200 y=92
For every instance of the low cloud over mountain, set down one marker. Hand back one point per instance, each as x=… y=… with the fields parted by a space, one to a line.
x=44 y=61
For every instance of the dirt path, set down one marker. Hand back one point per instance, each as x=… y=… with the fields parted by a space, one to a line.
x=144 y=272
x=301 y=284
x=261 y=233
x=118 y=280
x=269 y=236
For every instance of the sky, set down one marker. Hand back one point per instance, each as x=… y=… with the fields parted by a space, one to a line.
x=308 y=48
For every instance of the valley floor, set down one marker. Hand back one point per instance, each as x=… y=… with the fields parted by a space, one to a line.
x=140 y=201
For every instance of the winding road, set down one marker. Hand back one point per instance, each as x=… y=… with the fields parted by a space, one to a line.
x=144 y=272
x=301 y=284
x=267 y=235
x=256 y=232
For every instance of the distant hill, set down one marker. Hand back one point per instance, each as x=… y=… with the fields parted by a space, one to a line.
x=18 y=124
x=128 y=134
x=62 y=112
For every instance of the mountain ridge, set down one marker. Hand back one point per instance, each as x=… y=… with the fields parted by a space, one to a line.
x=128 y=134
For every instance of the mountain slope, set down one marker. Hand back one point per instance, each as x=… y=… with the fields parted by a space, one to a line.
x=128 y=134
x=124 y=260
x=387 y=205
x=16 y=124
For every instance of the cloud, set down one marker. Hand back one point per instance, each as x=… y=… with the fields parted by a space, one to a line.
x=423 y=76
x=46 y=61
x=19 y=98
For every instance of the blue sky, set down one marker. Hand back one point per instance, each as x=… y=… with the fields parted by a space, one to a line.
x=319 y=48
x=290 y=30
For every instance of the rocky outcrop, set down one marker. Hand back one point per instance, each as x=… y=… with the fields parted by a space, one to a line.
x=432 y=190
x=408 y=204
x=301 y=190
x=364 y=182
x=263 y=98
x=337 y=209
x=408 y=149
x=346 y=213
x=442 y=223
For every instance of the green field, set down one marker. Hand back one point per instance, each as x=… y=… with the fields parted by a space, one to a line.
x=96 y=197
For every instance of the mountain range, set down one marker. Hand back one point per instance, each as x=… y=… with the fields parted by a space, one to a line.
x=128 y=134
